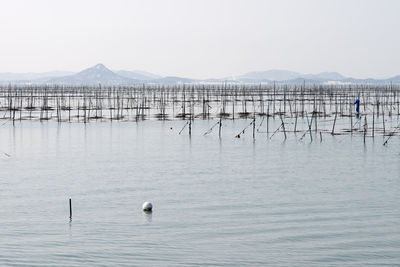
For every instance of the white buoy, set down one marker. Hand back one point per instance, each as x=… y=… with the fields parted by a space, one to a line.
x=147 y=206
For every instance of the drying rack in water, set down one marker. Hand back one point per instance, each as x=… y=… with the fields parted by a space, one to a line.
x=316 y=103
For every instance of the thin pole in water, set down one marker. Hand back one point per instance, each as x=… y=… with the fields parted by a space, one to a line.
x=70 y=209
x=283 y=125
x=309 y=126
x=365 y=127
x=334 y=123
x=373 y=122
x=254 y=127
x=220 y=125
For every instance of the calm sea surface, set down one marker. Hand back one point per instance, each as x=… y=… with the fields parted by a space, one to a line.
x=228 y=202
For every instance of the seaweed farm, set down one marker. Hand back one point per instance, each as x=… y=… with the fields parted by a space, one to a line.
x=172 y=133
x=313 y=108
x=238 y=175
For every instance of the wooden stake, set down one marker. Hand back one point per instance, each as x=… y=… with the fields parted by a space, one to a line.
x=220 y=125
x=70 y=209
x=334 y=123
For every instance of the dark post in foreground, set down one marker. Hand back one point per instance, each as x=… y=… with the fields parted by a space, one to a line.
x=70 y=209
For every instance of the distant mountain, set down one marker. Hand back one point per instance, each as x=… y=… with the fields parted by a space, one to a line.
x=138 y=75
x=395 y=79
x=174 y=80
x=271 y=75
x=323 y=76
x=285 y=75
x=97 y=74
x=11 y=77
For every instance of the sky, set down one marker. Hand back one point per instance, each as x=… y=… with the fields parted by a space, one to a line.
x=202 y=38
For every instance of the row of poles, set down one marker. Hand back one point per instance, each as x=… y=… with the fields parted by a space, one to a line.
x=362 y=128
x=87 y=103
x=200 y=101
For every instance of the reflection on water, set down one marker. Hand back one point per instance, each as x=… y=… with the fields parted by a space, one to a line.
x=220 y=202
x=148 y=216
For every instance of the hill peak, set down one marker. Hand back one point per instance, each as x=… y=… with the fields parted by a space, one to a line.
x=98 y=74
x=99 y=66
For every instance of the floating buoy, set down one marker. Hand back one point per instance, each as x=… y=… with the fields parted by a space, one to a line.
x=147 y=206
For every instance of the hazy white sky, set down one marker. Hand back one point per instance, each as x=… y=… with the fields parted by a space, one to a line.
x=203 y=38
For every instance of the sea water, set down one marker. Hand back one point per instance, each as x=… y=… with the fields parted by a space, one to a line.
x=218 y=201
